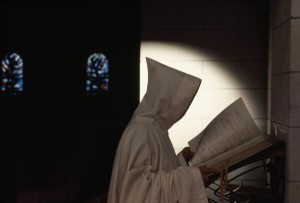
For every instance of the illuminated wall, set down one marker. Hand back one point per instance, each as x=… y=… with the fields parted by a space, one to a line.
x=223 y=43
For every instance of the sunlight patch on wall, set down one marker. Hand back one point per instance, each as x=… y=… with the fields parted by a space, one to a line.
x=222 y=83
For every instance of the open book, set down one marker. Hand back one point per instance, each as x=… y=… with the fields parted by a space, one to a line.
x=229 y=138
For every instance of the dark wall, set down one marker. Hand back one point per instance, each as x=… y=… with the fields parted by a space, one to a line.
x=57 y=144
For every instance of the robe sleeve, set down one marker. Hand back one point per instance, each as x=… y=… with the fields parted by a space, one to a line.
x=181 y=159
x=144 y=182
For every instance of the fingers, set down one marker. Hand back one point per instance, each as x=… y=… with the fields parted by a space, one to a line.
x=187 y=151
x=187 y=154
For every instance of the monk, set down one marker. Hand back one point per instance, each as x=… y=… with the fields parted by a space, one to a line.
x=146 y=168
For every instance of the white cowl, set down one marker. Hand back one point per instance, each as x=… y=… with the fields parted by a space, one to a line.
x=146 y=169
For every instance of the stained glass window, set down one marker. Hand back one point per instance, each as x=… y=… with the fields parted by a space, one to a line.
x=97 y=74
x=12 y=75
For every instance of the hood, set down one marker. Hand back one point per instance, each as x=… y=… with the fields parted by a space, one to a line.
x=169 y=94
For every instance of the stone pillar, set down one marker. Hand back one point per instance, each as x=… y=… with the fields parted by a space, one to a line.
x=285 y=88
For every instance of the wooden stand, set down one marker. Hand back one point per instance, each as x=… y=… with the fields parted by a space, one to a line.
x=273 y=159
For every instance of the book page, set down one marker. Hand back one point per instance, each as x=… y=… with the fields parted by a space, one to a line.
x=239 y=153
x=229 y=129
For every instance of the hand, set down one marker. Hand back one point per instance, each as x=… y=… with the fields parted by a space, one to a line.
x=205 y=172
x=187 y=154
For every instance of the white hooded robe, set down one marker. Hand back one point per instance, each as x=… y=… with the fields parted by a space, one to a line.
x=146 y=169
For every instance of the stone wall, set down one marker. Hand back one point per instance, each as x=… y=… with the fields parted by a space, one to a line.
x=285 y=86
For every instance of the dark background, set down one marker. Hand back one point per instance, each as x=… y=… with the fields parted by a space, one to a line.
x=57 y=144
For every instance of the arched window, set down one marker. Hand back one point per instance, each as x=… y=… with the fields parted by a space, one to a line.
x=97 y=74
x=12 y=75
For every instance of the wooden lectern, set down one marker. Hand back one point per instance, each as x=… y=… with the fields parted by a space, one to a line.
x=272 y=158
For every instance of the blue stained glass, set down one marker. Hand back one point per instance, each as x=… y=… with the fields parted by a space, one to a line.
x=12 y=75
x=97 y=74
